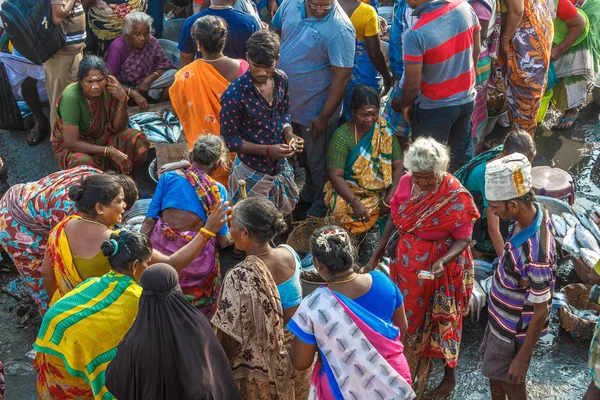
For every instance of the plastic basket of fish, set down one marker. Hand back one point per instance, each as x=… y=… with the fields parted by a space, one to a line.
x=576 y=232
x=580 y=316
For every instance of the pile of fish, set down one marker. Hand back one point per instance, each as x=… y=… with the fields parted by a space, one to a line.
x=159 y=127
x=135 y=223
x=581 y=235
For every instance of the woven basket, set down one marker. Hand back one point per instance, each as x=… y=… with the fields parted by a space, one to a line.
x=419 y=370
x=579 y=297
x=299 y=238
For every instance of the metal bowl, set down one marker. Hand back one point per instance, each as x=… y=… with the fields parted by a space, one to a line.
x=152 y=171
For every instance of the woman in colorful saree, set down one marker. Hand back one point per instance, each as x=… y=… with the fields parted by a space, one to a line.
x=196 y=93
x=575 y=65
x=433 y=216
x=138 y=61
x=366 y=312
x=258 y=297
x=91 y=123
x=29 y=211
x=80 y=332
x=161 y=358
x=178 y=211
x=490 y=232
x=525 y=45
x=364 y=165
x=72 y=254
x=490 y=31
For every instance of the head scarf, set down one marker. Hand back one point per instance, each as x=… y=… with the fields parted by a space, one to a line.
x=170 y=352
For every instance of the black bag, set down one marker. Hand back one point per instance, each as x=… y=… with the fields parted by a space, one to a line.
x=30 y=29
x=10 y=114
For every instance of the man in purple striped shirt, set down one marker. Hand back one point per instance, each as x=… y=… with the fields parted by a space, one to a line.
x=521 y=291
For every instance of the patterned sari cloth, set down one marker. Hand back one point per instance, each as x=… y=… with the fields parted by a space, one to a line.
x=525 y=66
x=200 y=281
x=107 y=17
x=434 y=308
x=79 y=336
x=28 y=212
x=342 y=371
x=250 y=312
x=196 y=98
x=578 y=66
x=281 y=189
x=61 y=258
x=368 y=173
x=142 y=62
x=594 y=351
x=100 y=132
x=485 y=10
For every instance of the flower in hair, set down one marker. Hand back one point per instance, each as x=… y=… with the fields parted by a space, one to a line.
x=323 y=241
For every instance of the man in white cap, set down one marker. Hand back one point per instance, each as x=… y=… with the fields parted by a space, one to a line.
x=522 y=287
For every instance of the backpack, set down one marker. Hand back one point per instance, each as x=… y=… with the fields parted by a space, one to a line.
x=29 y=26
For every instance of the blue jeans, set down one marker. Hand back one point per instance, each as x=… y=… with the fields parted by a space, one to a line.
x=450 y=125
x=156 y=9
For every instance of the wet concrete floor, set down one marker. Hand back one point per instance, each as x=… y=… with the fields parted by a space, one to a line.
x=559 y=365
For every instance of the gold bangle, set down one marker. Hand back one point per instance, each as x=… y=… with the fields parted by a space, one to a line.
x=107 y=151
x=128 y=91
x=120 y=109
x=157 y=74
x=207 y=232
x=385 y=204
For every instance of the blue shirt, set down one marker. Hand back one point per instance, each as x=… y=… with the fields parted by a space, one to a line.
x=396 y=34
x=175 y=191
x=310 y=46
x=240 y=27
x=382 y=287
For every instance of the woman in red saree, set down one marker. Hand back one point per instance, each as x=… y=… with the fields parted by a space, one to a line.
x=433 y=216
x=91 y=123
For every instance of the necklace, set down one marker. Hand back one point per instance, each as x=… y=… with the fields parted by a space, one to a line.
x=345 y=280
x=269 y=104
x=355 y=135
x=220 y=7
x=215 y=60
x=262 y=254
x=95 y=222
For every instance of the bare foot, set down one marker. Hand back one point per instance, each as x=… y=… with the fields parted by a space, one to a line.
x=445 y=388
x=567 y=121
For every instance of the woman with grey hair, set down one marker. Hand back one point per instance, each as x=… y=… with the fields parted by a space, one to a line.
x=427 y=238
x=182 y=201
x=139 y=62
x=259 y=296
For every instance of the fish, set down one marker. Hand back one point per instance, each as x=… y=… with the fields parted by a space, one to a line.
x=582 y=216
x=595 y=230
x=586 y=239
x=559 y=224
x=570 y=219
x=570 y=242
x=590 y=257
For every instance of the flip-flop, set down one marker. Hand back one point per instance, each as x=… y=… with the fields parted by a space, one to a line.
x=37 y=137
x=564 y=120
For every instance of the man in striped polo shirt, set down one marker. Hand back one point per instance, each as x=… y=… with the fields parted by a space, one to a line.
x=522 y=287
x=440 y=54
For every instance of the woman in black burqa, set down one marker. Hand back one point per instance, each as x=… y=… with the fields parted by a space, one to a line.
x=170 y=352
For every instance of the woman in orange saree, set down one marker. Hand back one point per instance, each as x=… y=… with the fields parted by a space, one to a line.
x=433 y=215
x=198 y=87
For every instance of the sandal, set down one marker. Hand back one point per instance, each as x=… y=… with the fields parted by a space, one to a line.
x=35 y=137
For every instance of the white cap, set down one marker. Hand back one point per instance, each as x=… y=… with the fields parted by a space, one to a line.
x=508 y=178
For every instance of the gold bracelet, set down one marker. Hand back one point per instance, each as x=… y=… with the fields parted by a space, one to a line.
x=107 y=151
x=385 y=204
x=207 y=232
x=128 y=91
x=157 y=74
x=123 y=111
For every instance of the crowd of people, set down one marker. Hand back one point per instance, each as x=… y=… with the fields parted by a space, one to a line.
x=265 y=91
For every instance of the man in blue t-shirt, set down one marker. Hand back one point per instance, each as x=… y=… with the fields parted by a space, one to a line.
x=240 y=27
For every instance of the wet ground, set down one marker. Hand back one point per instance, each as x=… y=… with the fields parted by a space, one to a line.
x=559 y=366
